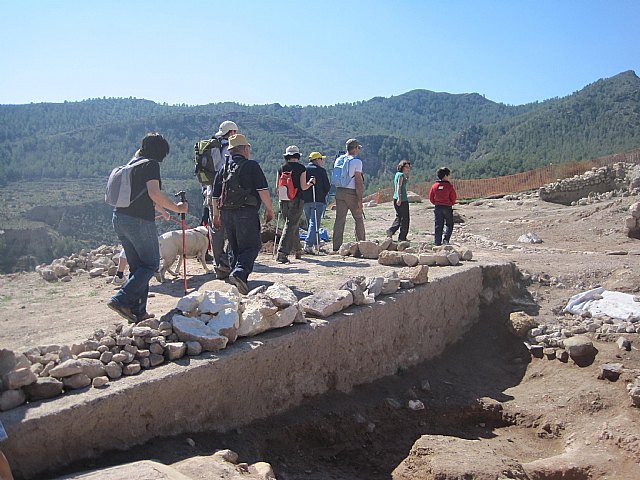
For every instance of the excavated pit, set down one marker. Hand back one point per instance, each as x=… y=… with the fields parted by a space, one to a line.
x=323 y=400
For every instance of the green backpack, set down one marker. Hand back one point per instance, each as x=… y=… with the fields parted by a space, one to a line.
x=203 y=159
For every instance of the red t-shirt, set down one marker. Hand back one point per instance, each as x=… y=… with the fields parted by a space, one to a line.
x=442 y=193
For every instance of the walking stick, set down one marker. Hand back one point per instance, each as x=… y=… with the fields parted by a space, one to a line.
x=315 y=215
x=275 y=235
x=183 y=199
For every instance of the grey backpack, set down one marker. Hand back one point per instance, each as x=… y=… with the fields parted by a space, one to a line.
x=118 y=193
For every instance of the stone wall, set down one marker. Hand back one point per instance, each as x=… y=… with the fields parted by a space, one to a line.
x=619 y=176
x=256 y=377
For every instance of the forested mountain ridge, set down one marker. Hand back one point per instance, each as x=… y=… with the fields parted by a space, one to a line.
x=475 y=136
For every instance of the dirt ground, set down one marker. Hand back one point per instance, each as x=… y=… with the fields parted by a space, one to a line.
x=490 y=406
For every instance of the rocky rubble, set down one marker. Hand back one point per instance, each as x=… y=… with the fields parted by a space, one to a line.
x=568 y=338
x=96 y=263
x=402 y=254
x=619 y=179
x=201 y=322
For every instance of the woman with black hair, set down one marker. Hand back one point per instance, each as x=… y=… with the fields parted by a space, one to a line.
x=136 y=228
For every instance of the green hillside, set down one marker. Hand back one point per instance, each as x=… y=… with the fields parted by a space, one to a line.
x=55 y=158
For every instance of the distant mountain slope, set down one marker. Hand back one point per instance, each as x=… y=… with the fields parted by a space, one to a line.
x=475 y=136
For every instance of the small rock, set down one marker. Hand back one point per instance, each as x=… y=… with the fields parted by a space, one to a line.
x=610 y=371
x=100 y=382
x=623 y=344
x=416 y=405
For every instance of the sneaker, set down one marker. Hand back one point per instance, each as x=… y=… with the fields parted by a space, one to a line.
x=309 y=251
x=124 y=312
x=118 y=280
x=240 y=284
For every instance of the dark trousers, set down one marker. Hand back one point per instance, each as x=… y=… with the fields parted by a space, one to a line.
x=242 y=226
x=290 y=240
x=401 y=221
x=444 y=221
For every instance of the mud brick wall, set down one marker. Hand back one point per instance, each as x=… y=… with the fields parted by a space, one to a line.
x=256 y=377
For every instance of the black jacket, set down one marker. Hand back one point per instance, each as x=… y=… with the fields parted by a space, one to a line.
x=322 y=184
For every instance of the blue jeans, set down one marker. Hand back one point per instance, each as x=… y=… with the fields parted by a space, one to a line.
x=444 y=221
x=242 y=226
x=313 y=212
x=139 y=239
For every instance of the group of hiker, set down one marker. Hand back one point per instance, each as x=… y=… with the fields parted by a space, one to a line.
x=234 y=189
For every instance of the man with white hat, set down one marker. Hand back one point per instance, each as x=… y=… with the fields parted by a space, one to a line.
x=291 y=208
x=216 y=235
x=238 y=191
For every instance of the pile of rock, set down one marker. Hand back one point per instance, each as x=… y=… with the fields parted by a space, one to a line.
x=96 y=263
x=402 y=253
x=561 y=342
x=362 y=290
x=201 y=322
x=632 y=223
x=621 y=178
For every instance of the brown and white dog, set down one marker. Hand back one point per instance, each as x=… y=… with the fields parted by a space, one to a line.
x=196 y=241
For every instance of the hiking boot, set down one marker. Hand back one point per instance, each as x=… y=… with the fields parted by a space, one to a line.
x=118 y=280
x=208 y=258
x=309 y=251
x=124 y=312
x=282 y=259
x=240 y=284
x=144 y=316
x=299 y=254
x=222 y=272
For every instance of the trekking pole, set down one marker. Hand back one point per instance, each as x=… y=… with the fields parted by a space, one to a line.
x=315 y=215
x=183 y=199
x=275 y=235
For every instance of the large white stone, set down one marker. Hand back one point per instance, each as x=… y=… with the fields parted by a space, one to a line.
x=326 y=303
x=214 y=301
x=391 y=283
x=255 y=318
x=374 y=285
x=281 y=295
x=390 y=258
x=226 y=324
x=66 y=369
x=284 y=317
x=416 y=275
x=427 y=259
x=369 y=249
x=192 y=329
x=189 y=303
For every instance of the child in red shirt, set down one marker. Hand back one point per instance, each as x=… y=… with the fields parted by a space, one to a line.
x=443 y=196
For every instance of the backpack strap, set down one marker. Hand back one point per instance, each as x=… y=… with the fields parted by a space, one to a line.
x=135 y=162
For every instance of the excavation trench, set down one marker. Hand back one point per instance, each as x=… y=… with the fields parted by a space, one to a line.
x=322 y=400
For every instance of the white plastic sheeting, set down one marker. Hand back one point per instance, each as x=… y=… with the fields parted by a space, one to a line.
x=600 y=302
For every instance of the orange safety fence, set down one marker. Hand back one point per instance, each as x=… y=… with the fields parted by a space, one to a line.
x=518 y=182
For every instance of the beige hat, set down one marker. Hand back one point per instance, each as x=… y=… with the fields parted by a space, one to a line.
x=238 y=140
x=291 y=151
x=316 y=155
x=225 y=127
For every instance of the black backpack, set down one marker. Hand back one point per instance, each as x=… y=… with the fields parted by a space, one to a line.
x=234 y=195
x=205 y=170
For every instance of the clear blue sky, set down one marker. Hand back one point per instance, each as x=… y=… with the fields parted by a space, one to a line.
x=310 y=52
